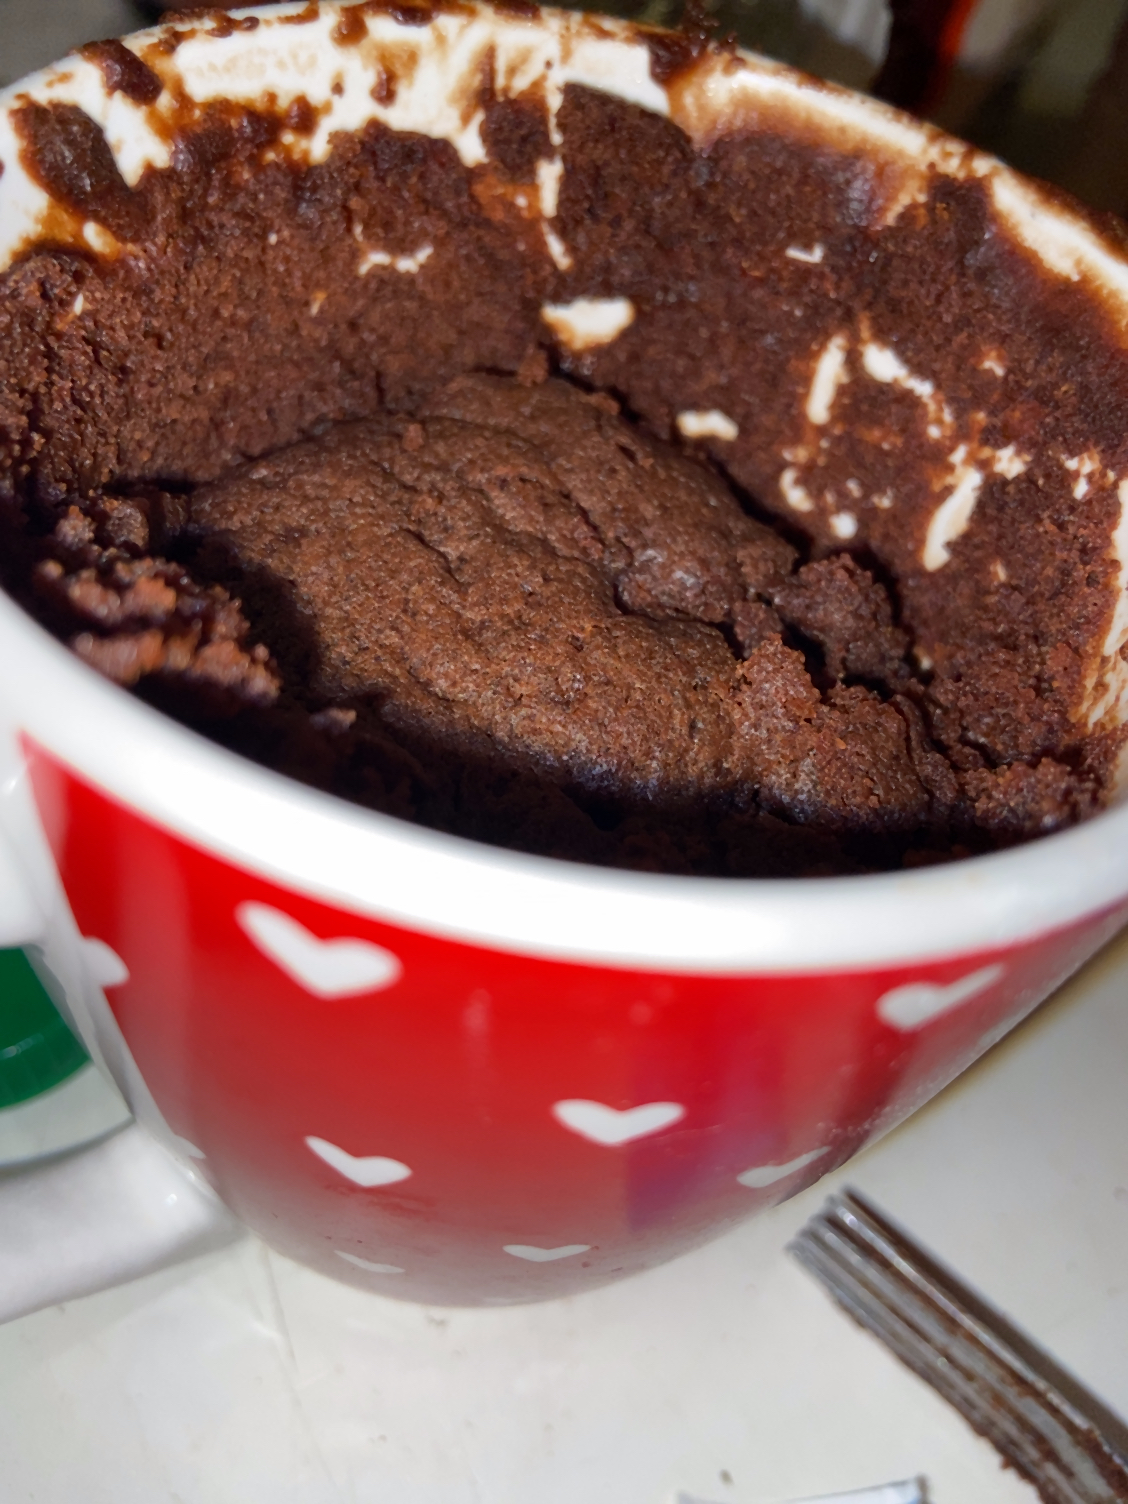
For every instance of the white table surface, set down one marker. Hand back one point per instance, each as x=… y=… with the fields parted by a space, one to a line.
x=728 y=1375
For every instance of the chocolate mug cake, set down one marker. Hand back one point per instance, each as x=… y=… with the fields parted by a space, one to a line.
x=558 y=469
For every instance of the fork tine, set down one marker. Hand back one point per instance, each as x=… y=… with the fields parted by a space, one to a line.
x=1044 y=1423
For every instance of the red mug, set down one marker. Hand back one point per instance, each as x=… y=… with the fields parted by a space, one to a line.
x=448 y=1072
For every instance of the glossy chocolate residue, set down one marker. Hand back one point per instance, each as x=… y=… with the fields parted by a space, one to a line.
x=67 y=154
x=123 y=71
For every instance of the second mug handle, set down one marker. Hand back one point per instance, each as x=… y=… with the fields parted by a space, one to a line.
x=83 y=1221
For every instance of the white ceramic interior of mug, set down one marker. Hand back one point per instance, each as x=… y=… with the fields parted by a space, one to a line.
x=374 y=864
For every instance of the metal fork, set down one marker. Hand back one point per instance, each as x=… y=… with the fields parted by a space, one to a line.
x=1045 y=1424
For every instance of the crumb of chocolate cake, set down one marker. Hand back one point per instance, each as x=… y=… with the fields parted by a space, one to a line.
x=833 y=604
x=134 y=617
x=533 y=369
x=1019 y=800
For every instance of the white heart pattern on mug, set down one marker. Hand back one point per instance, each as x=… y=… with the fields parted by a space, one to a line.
x=759 y=1177
x=365 y=1170
x=915 y=1004
x=103 y=963
x=545 y=1255
x=327 y=968
x=611 y=1125
x=355 y=1258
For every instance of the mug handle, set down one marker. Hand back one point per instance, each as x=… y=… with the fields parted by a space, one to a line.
x=93 y=1219
x=98 y=1216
